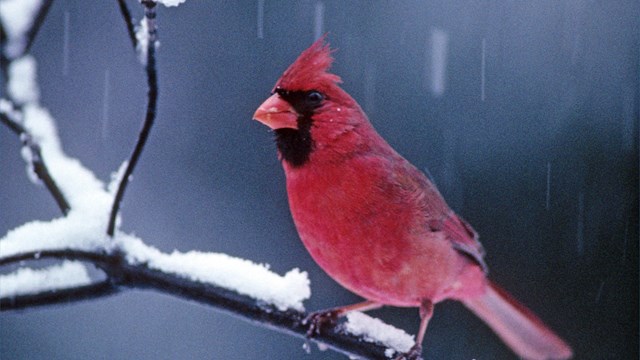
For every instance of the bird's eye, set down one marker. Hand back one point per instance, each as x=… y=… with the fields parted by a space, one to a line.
x=313 y=98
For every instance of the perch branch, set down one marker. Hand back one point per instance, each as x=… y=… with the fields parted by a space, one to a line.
x=152 y=95
x=122 y=275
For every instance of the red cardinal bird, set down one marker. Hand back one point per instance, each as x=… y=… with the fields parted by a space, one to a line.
x=374 y=222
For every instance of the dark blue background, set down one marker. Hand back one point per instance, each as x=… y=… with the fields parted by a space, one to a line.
x=561 y=91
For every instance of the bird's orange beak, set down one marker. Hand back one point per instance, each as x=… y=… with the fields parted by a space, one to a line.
x=277 y=113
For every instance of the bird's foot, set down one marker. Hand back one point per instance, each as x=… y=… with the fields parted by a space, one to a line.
x=319 y=320
x=415 y=353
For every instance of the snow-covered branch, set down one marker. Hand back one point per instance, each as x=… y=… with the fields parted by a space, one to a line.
x=32 y=150
x=89 y=206
x=19 y=24
x=21 y=20
x=237 y=286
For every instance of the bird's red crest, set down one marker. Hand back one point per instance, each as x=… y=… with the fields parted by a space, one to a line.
x=310 y=70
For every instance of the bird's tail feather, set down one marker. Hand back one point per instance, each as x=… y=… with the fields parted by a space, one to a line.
x=517 y=326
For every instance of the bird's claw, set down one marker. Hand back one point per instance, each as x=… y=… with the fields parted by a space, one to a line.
x=415 y=353
x=319 y=320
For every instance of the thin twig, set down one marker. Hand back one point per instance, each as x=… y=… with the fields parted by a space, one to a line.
x=126 y=15
x=122 y=275
x=39 y=167
x=37 y=23
x=4 y=62
x=14 y=126
x=152 y=95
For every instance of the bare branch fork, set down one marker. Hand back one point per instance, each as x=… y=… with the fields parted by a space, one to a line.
x=152 y=94
x=120 y=271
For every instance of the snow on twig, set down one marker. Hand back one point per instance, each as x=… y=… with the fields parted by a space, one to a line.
x=170 y=3
x=31 y=152
x=240 y=275
x=22 y=86
x=17 y=18
x=68 y=238
x=21 y=20
x=26 y=281
x=376 y=331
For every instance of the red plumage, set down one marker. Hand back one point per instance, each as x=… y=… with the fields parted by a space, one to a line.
x=374 y=222
x=310 y=70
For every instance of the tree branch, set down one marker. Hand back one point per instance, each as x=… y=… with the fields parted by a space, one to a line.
x=152 y=96
x=37 y=23
x=122 y=275
x=62 y=296
x=289 y=322
x=99 y=259
x=39 y=167
x=126 y=15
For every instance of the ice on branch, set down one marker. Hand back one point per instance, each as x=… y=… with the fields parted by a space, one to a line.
x=17 y=17
x=22 y=86
x=242 y=276
x=29 y=281
x=375 y=331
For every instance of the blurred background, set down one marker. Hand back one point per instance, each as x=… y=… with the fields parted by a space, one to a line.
x=524 y=113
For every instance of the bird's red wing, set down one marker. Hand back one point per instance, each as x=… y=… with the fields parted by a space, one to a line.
x=439 y=216
x=464 y=238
